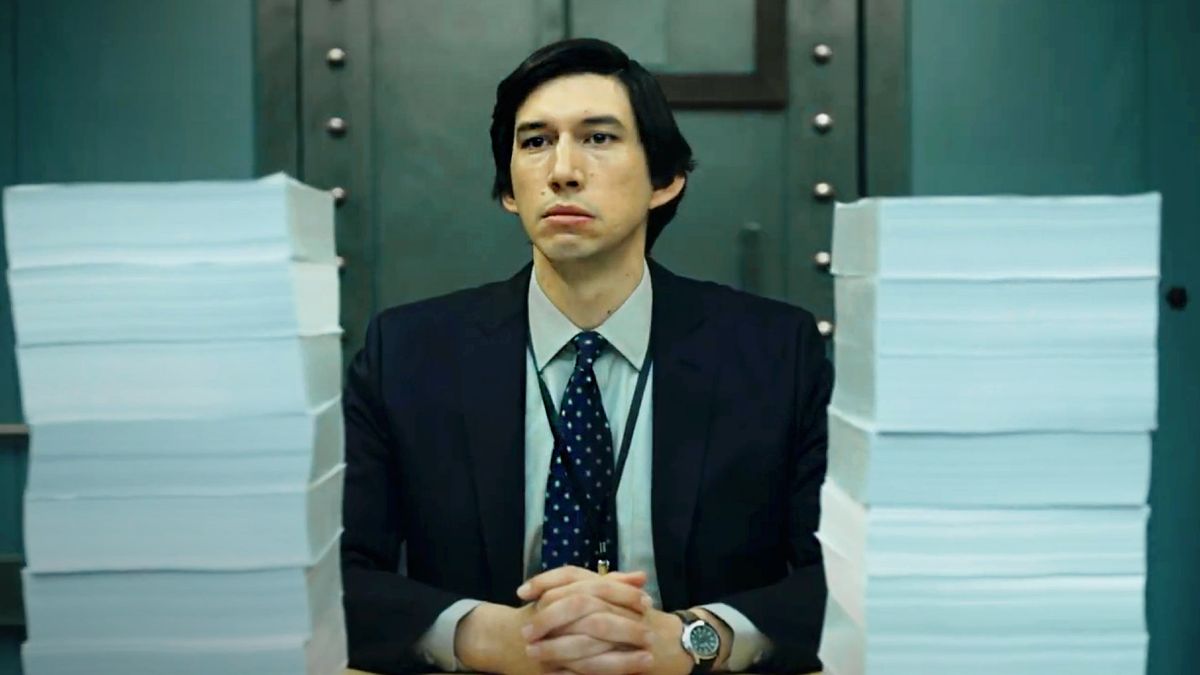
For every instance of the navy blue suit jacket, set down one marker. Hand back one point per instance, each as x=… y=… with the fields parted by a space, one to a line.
x=435 y=419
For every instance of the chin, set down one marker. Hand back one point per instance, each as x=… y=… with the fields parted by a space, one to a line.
x=560 y=246
x=568 y=248
x=567 y=254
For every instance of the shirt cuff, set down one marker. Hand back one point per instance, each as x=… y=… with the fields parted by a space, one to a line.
x=749 y=646
x=436 y=646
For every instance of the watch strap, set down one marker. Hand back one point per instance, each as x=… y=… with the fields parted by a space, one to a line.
x=702 y=665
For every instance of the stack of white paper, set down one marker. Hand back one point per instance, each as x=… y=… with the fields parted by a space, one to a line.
x=179 y=353
x=989 y=449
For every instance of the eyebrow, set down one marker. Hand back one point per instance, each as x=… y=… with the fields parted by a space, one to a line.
x=598 y=120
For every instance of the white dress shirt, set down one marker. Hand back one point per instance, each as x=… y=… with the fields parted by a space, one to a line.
x=627 y=331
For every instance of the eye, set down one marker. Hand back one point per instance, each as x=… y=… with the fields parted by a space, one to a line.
x=534 y=142
x=600 y=138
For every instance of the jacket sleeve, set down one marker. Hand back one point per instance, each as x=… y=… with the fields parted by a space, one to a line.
x=386 y=612
x=791 y=612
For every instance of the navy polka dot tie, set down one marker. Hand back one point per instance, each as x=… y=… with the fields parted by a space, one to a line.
x=576 y=520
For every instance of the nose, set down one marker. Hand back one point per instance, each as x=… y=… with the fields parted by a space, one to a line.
x=565 y=173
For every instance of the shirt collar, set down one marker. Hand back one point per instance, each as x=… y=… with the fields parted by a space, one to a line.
x=627 y=329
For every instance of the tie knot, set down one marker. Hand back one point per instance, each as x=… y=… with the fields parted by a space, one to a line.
x=588 y=345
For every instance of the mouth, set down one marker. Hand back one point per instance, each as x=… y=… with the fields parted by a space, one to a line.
x=566 y=214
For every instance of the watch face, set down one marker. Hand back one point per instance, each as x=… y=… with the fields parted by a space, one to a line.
x=705 y=641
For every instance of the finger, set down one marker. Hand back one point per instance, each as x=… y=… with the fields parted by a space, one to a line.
x=613 y=663
x=587 y=615
x=612 y=628
x=635 y=578
x=611 y=609
x=558 y=576
x=534 y=587
x=562 y=613
x=567 y=648
x=613 y=592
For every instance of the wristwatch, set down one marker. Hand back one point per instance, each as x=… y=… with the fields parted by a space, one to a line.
x=700 y=640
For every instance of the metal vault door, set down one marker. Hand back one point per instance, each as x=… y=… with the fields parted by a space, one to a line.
x=395 y=100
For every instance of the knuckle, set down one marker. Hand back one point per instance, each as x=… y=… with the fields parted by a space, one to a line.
x=619 y=663
x=623 y=595
x=578 y=603
x=626 y=596
x=594 y=666
x=592 y=624
x=561 y=649
x=626 y=631
x=634 y=662
x=548 y=651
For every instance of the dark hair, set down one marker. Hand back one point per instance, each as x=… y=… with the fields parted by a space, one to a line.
x=667 y=152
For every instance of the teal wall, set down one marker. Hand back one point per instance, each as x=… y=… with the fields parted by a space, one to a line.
x=1173 y=167
x=12 y=460
x=9 y=407
x=1028 y=96
x=114 y=90
x=1087 y=96
x=135 y=89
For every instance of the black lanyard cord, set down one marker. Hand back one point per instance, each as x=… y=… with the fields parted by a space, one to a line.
x=609 y=500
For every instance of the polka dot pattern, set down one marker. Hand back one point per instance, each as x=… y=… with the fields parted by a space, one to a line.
x=582 y=462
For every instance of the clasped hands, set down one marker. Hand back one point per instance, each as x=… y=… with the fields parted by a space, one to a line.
x=575 y=621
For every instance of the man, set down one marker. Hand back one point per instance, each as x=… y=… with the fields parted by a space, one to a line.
x=594 y=412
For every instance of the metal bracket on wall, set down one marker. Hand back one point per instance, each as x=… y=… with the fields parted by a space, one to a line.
x=750 y=245
x=1177 y=298
x=14 y=439
x=12 y=606
x=13 y=430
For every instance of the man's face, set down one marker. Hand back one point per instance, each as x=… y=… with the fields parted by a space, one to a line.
x=580 y=180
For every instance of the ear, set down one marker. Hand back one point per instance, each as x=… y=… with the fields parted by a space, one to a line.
x=509 y=202
x=667 y=193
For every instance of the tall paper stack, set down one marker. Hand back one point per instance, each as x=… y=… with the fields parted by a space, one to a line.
x=179 y=354
x=989 y=435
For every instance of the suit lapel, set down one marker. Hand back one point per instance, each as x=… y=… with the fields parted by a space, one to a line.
x=493 y=395
x=684 y=378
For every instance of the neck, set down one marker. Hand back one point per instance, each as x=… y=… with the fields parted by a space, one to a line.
x=586 y=291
